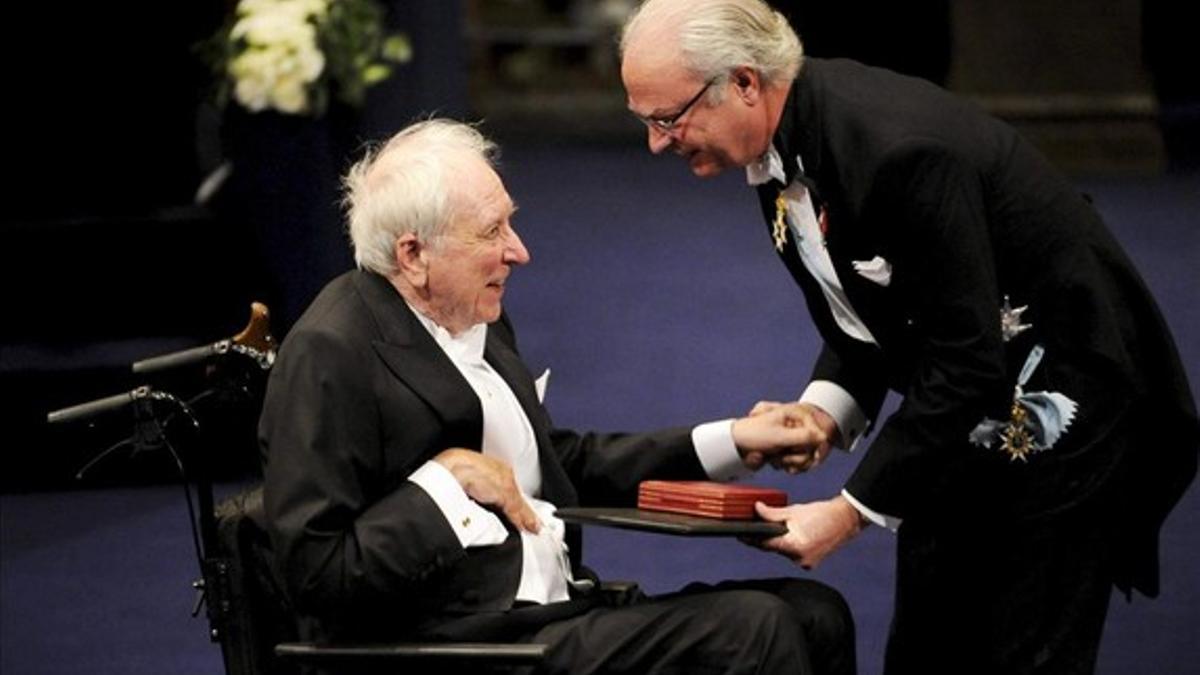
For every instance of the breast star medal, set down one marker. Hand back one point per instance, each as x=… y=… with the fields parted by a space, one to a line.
x=1010 y=320
x=779 y=227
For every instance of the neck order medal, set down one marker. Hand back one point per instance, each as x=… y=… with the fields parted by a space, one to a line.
x=779 y=227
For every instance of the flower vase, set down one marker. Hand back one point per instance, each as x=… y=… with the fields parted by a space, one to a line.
x=285 y=190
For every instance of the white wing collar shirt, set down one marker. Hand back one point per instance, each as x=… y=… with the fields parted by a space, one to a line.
x=508 y=436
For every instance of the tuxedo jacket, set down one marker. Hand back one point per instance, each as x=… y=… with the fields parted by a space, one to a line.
x=361 y=396
x=967 y=214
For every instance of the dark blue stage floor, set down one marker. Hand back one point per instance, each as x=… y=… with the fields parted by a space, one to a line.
x=655 y=299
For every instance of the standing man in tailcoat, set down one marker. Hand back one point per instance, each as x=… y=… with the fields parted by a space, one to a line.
x=1046 y=427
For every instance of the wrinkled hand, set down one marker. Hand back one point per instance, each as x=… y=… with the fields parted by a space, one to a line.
x=815 y=529
x=490 y=481
x=794 y=451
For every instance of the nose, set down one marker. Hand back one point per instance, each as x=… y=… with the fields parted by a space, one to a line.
x=658 y=139
x=515 y=252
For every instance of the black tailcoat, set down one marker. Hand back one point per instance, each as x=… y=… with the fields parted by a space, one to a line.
x=967 y=213
x=360 y=397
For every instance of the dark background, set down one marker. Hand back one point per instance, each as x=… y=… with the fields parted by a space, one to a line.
x=651 y=294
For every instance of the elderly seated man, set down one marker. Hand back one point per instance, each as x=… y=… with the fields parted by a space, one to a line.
x=412 y=474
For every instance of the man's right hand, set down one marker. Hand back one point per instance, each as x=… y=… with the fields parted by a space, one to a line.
x=809 y=429
x=490 y=481
x=814 y=531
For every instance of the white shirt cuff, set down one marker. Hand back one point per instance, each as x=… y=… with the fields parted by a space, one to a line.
x=717 y=452
x=472 y=524
x=841 y=406
x=890 y=522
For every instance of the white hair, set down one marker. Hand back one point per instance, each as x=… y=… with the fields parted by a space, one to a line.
x=405 y=187
x=716 y=36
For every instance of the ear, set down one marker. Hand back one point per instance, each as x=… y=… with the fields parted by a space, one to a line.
x=411 y=257
x=747 y=84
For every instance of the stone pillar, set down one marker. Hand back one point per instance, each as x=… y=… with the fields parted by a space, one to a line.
x=1069 y=74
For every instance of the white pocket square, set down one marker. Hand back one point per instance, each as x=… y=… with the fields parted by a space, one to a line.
x=876 y=269
x=540 y=385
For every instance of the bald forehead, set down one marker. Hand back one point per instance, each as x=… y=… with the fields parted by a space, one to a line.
x=655 y=27
x=477 y=191
x=653 y=51
x=652 y=48
x=652 y=67
x=416 y=155
x=472 y=176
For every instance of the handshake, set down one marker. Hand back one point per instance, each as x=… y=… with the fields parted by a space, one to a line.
x=794 y=437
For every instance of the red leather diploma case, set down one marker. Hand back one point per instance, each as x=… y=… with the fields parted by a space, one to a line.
x=703 y=498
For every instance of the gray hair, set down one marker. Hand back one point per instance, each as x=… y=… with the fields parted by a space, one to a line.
x=716 y=36
x=405 y=187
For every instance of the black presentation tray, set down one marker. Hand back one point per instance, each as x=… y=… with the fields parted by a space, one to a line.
x=669 y=523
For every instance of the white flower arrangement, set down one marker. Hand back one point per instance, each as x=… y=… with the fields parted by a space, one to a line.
x=291 y=55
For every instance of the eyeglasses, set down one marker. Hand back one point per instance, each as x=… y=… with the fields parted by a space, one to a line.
x=668 y=123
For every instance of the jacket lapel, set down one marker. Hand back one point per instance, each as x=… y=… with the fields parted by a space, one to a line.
x=556 y=486
x=797 y=136
x=412 y=356
x=800 y=134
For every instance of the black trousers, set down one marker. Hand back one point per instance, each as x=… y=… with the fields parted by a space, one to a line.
x=1030 y=597
x=762 y=626
x=1013 y=574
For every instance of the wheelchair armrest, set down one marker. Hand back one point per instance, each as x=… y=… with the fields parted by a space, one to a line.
x=499 y=653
